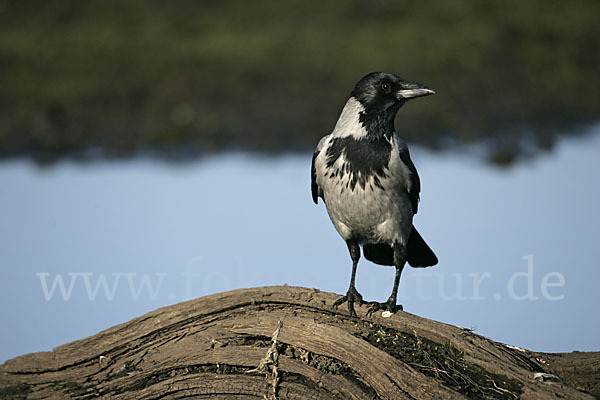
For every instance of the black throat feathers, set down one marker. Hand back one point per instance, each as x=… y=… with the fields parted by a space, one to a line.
x=364 y=158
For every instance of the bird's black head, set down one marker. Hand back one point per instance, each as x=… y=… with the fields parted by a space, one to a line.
x=383 y=94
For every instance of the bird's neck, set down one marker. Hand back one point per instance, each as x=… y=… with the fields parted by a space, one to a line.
x=361 y=123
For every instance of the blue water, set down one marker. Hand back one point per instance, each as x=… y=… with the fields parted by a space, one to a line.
x=518 y=247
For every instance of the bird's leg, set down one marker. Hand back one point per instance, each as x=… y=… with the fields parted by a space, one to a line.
x=390 y=304
x=352 y=295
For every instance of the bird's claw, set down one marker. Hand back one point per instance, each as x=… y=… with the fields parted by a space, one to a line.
x=389 y=305
x=352 y=296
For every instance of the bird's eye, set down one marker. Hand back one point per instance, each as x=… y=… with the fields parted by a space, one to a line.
x=386 y=87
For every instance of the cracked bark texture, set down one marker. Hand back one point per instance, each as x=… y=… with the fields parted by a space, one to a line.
x=289 y=343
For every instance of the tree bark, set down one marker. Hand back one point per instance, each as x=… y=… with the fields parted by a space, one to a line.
x=289 y=343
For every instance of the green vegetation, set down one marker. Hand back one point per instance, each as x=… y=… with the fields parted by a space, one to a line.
x=177 y=79
x=445 y=363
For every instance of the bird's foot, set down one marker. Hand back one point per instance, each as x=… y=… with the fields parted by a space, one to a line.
x=352 y=296
x=389 y=305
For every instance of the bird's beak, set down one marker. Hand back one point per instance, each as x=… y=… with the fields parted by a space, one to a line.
x=413 y=89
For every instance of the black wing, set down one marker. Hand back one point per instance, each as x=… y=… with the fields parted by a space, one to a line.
x=313 y=179
x=415 y=183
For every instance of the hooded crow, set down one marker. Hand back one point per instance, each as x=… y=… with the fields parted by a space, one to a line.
x=370 y=186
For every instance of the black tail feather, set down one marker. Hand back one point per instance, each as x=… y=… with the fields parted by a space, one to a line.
x=379 y=253
x=419 y=254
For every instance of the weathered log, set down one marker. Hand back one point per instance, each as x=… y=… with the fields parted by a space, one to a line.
x=289 y=343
